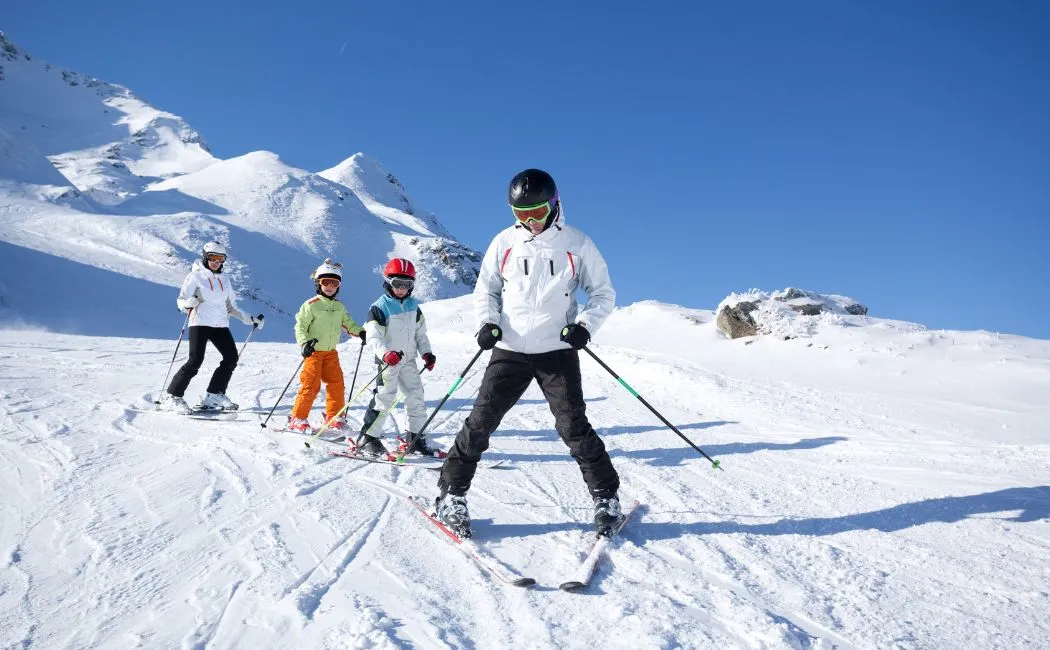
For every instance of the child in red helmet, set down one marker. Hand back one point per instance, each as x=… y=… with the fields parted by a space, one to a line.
x=396 y=331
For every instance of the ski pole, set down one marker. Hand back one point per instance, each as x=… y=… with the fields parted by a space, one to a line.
x=332 y=419
x=714 y=463
x=419 y=434
x=174 y=354
x=354 y=380
x=255 y=326
x=292 y=378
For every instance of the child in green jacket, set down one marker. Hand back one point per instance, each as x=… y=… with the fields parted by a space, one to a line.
x=317 y=330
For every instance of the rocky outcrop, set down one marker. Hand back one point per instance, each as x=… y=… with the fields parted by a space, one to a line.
x=736 y=320
x=787 y=314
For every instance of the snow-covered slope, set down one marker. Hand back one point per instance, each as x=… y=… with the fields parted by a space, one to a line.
x=91 y=174
x=884 y=487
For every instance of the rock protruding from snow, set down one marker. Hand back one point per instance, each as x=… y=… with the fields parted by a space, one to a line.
x=788 y=314
x=736 y=321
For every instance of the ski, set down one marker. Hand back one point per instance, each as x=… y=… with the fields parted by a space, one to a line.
x=585 y=571
x=422 y=462
x=476 y=552
x=407 y=462
x=195 y=414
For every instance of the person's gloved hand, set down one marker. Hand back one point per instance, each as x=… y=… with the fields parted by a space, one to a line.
x=257 y=321
x=576 y=335
x=185 y=305
x=489 y=335
x=429 y=360
x=392 y=358
x=362 y=335
x=308 y=348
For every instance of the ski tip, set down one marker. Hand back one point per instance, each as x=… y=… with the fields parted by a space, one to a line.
x=523 y=582
x=572 y=585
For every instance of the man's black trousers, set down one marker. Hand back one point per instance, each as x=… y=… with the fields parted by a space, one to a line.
x=506 y=378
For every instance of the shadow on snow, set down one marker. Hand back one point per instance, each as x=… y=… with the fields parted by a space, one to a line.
x=1032 y=502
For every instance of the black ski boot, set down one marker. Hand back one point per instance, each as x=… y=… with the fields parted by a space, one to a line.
x=607 y=514
x=419 y=446
x=451 y=510
x=371 y=446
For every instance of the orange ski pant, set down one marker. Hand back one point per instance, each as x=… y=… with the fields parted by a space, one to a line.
x=320 y=366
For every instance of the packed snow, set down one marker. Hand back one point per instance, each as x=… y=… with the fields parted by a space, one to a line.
x=884 y=486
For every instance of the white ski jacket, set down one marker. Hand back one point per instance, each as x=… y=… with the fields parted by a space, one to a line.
x=211 y=298
x=528 y=286
x=397 y=325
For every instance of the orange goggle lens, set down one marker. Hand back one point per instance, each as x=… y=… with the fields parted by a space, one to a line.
x=329 y=282
x=538 y=212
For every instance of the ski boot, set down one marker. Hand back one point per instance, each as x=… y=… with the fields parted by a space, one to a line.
x=175 y=404
x=217 y=402
x=370 y=446
x=419 y=447
x=299 y=425
x=451 y=510
x=607 y=514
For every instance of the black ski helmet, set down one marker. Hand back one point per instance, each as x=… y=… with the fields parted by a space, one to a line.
x=531 y=187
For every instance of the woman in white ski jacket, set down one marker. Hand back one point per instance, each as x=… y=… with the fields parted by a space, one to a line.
x=210 y=301
x=525 y=304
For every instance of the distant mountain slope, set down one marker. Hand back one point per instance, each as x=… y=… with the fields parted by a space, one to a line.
x=92 y=174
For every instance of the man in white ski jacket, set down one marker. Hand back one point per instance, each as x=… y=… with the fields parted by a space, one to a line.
x=525 y=305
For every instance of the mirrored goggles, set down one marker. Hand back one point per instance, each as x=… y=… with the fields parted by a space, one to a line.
x=329 y=282
x=216 y=257
x=401 y=283
x=537 y=213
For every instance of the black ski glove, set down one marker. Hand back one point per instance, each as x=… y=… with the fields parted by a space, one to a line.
x=576 y=335
x=489 y=335
x=308 y=348
x=362 y=335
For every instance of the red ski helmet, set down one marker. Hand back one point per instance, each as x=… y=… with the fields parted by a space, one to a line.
x=399 y=266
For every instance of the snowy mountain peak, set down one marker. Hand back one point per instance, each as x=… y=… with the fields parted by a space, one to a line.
x=369 y=180
x=109 y=143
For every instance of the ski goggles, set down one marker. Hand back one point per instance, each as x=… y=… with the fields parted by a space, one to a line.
x=215 y=257
x=329 y=282
x=537 y=213
x=401 y=283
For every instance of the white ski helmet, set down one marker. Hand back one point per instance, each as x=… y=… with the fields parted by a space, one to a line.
x=328 y=269
x=212 y=248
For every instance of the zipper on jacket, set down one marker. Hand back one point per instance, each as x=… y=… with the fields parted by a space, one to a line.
x=526 y=267
x=552 y=267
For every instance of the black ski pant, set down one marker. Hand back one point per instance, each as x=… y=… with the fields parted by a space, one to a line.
x=506 y=378
x=222 y=338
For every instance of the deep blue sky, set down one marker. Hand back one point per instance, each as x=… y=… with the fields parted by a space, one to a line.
x=896 y=151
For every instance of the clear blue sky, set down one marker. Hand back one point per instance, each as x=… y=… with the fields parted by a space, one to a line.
x=896 y=151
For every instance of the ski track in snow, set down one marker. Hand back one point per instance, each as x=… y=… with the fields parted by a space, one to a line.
x=848 y=516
